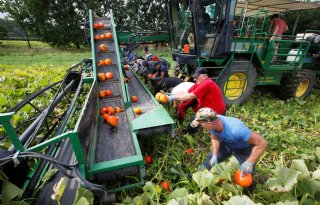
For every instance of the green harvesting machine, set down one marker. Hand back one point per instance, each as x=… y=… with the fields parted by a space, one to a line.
x=232 y=40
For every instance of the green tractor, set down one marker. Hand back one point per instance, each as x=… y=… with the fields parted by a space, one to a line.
x=232 y=40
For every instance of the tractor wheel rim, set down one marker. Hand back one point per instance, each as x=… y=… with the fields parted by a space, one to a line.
x=302 y=88
x=235 y=86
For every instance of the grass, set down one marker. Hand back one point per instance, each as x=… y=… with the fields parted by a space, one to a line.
x=41 y=54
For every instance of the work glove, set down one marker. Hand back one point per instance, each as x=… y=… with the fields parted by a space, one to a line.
x=170 y=96
x=246 y=167
x=213 y=160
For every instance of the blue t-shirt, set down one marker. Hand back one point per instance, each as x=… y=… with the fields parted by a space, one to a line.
x=235 y=133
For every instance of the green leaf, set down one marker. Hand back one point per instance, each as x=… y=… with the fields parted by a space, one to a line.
x=316 y=175
x=199 y=198
x=301 y=166
x=287 y=203
x=3 y=177
x=190 y=140
x=150 y=190
x=3 y=100
x=141 y=200
x=204 y=179
x=179 y=201
x=83 y=193
x=127 y=200
x=286 y=179
x=310 y=187
x=9 y=191
x=240 y=200
x=58 y=189
x=179 y=193
x=82 y=201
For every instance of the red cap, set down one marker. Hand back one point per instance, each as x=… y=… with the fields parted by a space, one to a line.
x=155 y=58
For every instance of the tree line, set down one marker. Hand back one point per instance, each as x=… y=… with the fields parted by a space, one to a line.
x=60 y=23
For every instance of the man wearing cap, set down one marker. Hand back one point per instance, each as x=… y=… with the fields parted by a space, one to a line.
x=204 y=93
x=230 y=136
x=160 y=78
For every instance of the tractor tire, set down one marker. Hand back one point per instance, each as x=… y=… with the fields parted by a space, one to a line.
x=297 y=86
x=237 y=84
x=317 y=83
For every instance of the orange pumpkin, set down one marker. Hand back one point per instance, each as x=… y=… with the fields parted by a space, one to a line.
x=113 y=120
x=110 y=110
x=108 y=61
x=148 y=159
x=101 y=63
x=108 y=35
x=102 y=94
x=163 y=98
x=244 y=181
x=101 y=77
x=103 y=110
x=134 y=98
x=108 y=92
x=100 y=25
x=97 y=37
x=137 y=110
x=117 y=109
x=103 y=47
x=105 y=117
x=165 y=185
x=109 y=75
x=158 y=95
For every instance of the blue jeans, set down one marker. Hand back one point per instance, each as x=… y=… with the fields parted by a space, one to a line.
x=225 y=152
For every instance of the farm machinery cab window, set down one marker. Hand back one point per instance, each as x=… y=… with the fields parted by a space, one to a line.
x=196 y=24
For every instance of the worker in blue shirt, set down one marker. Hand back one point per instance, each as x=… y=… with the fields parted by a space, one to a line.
x=230 y=136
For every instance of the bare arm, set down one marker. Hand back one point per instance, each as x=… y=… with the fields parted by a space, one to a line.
x=275 y=31
x=215 y=144
x=184 y=97
x=259 y=145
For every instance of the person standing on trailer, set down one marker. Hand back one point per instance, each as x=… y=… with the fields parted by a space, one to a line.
x=279 y=27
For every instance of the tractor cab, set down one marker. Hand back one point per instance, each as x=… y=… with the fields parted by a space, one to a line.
x=200 y=29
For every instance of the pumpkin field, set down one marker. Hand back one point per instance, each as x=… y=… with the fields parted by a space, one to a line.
x=288 y=172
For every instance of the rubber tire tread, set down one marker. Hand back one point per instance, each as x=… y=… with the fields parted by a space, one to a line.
x=290 y=83
x=251 y=84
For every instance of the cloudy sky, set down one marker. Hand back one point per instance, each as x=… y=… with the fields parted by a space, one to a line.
x=1 y=15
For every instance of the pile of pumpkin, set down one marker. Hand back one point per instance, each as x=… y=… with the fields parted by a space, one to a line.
x=105 y=93
x=105 y=76
x=161 y=97
x=106 y=35
x=98 y=25
x=107 y=61
x=108 y=114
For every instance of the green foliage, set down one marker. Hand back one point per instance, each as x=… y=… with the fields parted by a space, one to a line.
x=83 y=197
x=9 y=190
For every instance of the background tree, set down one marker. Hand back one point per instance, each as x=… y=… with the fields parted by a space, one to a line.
x=17 y=11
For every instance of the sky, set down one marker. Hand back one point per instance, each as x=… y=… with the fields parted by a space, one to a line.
x=2 y=15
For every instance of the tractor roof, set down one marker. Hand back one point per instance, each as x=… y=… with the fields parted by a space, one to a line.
x=275 y=6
